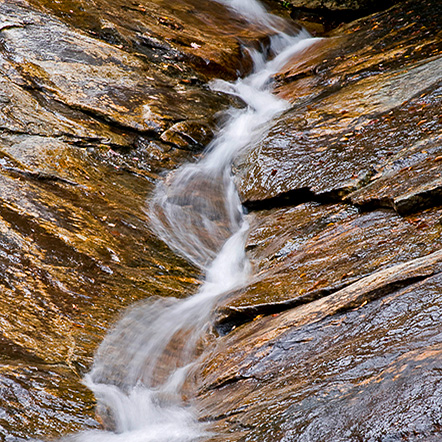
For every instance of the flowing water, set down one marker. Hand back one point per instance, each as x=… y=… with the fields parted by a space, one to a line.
x=140 y=368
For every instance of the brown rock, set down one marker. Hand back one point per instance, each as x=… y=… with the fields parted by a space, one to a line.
x=352 y=109
x=73 y=241
x=192 y=135
x=342 y=358
x=307 y=252
x=336 y=5
x=409 y=181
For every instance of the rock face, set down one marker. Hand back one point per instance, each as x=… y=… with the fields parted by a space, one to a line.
x=96 y=100
x=321 y=16
x=310 y=251
x=340 y=374
x=337 y=337
x=339 y=5
x=140 y=85
x=344 y=93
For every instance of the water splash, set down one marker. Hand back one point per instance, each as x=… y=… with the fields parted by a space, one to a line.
x=141 y=367
x=255 y=13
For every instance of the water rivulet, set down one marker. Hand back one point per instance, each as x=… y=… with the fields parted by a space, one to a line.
x=142 y=364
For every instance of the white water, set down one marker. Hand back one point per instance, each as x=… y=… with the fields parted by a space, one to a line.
x=142 y=364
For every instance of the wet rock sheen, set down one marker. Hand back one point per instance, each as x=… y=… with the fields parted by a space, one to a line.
x=337 y=336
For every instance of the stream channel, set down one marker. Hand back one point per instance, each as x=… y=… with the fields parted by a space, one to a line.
x=137 y=377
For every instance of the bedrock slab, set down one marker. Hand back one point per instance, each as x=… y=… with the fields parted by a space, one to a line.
x=337 y=337
x=306 y=252
x=408 y=181
x=75 y=249
x=357 y=102
x=93 y=76
x=360 y=364
x=97 y=99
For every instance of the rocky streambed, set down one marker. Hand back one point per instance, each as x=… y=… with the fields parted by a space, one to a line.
x=338 y=335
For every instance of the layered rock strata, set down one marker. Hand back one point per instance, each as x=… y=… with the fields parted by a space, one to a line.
x=337 y=337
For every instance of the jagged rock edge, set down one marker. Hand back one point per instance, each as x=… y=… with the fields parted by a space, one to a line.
x=236 y=317
x=426 y=200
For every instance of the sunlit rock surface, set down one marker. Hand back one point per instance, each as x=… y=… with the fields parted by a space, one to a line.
x=309 y=251
x=96 y=100
x=342 y=371
x=380 y=75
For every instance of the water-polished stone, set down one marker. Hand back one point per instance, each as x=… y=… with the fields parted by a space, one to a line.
x=307 y=252
x=338 y=336
x=345 y=93
x=96 y=100
x=340 y=368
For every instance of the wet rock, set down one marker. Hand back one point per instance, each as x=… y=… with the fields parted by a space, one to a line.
x=179 y=38
x=92 y=76
x=76 y=213
x=22 y=113
x=353 y=358
x=67 y=76
x=339 y=327
x=322 y=16
x=307 y=252
x=334 y=5
x=26 y=410
x=96 y=100
x=73 y=241
x=329 y=143
x=192 y=135
x=409 y=181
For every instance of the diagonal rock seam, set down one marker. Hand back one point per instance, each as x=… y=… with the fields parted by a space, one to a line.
x=352 y=296
x=403 y=204
x=296 y=197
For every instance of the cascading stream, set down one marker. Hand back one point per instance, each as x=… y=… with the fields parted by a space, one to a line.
x=140 y=368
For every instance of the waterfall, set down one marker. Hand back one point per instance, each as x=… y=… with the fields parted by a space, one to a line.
x=142 y=364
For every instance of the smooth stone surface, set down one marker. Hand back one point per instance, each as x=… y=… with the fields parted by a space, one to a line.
x=97 y=100
x=75 y=249
x=341 y=326
x=191 y=135
x=337 y=337
x=55 y=397
x=180 y=38
x=360 y=364
x=328 y=144
x=140 y=69
x=93 y=76
x=409 y=181
x=307 y=252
